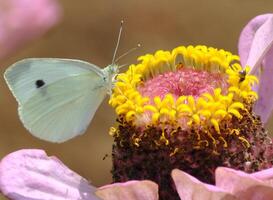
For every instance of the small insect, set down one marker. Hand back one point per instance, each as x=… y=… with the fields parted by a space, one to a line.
x=105 y=156
x=57 y=98
x=242 y=75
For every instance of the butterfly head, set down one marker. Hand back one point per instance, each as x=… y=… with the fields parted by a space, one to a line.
x=110 y=72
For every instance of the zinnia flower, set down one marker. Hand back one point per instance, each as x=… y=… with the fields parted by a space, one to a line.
x=24 y=20
x=191 y=109
x=188 y=109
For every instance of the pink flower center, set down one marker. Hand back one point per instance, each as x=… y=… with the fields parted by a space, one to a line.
x=185 y=81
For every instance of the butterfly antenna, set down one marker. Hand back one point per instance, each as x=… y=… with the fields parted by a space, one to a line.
x=128 y=52
x=122 y=66
x=119 y=36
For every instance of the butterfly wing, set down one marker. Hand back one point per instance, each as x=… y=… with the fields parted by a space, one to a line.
x=22 y=76
x=57 y=97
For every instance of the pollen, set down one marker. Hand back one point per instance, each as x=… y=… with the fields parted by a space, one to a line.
x=188 y=88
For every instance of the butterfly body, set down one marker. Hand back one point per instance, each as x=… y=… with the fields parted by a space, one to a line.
x=110 y=73
x=57 y=98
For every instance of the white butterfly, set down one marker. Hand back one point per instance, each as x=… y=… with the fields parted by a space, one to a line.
x=58 y=98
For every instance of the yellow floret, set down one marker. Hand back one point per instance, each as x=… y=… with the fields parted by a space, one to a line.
x=208 y=109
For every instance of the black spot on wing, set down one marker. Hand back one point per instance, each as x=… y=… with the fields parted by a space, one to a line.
x=39 y=83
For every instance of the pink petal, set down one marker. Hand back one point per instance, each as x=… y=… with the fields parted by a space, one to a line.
x=132 y=190
x=255 y=40
x=256 y=50
x=24 y=20
x=189 y=188
x=243 y=185
x=265 y=175
x=264 y=105
x=31 y=174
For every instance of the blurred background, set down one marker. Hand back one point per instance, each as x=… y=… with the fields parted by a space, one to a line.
x=88 y=30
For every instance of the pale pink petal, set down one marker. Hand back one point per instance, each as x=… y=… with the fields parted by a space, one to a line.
x=265 y=175
x=131 y=190
x=256 y=50
x=243 y=185
x=264 y=105
x=189 y=188
x=24 y=20
x=255 y=40
x=32 y=175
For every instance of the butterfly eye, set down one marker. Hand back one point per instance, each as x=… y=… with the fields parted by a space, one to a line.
x=39 y=83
